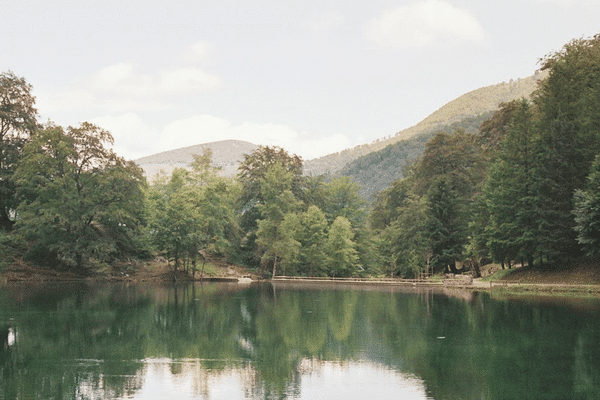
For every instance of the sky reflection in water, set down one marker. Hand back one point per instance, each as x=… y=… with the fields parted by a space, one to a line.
x=319 y=380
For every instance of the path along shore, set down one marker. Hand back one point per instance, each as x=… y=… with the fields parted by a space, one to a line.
x=453 y=282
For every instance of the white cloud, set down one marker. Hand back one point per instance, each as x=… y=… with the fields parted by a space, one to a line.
x=133 y=137
x=206 y=128
x=121 y=79
x=195 y=130
x=197 y=52
x=122 y=88
x=313 y=148
x=424 y=24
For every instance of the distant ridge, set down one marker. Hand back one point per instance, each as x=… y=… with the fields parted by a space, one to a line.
x=227 y=155
x=471 y=104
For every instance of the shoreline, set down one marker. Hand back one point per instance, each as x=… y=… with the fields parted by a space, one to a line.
x=580 y=279
x=152 y=271
x=476 y=285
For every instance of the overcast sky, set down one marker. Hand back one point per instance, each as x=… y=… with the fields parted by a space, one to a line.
x=312 y=76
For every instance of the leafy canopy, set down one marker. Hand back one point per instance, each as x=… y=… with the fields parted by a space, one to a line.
x=81 y=205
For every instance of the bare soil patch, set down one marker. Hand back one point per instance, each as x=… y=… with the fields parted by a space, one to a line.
x=155 y=270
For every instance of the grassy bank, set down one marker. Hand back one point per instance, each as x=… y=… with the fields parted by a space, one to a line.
x=579 y=279
x=578 y=273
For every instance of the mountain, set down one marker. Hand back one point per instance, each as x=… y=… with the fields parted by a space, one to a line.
x=471 y=104
x=383 y=158
x=227 y=155
x=377 y=170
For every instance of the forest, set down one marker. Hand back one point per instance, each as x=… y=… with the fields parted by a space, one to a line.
x=524 y=187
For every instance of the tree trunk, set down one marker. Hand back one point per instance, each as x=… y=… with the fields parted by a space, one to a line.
x=274 y=267
x=453 y=268
x=475 y=271
x=529 y=261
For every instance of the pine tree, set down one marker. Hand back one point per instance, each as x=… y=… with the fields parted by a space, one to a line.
x=587 y=213
x=446 y=227
x=509 y=192
x=569 y=120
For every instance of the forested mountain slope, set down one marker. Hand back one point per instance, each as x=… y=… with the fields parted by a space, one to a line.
x=469 y=105
x=375 y=171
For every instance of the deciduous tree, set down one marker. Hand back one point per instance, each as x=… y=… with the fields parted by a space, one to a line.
x=18 y=122
x=275 y=240
x=340 y=248
x=81 y=205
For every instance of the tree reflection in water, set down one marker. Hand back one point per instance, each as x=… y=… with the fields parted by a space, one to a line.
x=292 y=341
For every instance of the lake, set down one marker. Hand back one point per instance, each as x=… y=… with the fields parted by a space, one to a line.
x=294 y=341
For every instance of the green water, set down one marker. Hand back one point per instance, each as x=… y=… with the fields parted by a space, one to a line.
x=321 y=342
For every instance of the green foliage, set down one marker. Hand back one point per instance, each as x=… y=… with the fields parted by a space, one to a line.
x=340 y=248
x=404 y=243
x=275 y=234
x=446 y=224
x=457 y=157
x=587 y=212
x=509 y=189
x=426 y=215
x=291 y=214
x=192 y=212
x=512 y=204
x=251 y=203
x=450 y=176
x=81 y=205
x=252 y=173
x=18 y=122
x=208 y=269
x=342 y=199
x=12 y=247
x=377 y=170
x=312 y=234
x=386 y=203
x=568 y=138
x=515 y=184
x=493 y=130
x=498 y=275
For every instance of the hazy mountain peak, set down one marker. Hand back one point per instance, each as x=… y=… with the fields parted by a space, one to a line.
x=227 y=154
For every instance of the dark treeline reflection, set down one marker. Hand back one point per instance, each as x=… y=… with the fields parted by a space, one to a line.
x=81 y=342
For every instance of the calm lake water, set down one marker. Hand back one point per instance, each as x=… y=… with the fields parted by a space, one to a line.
x=221 y=341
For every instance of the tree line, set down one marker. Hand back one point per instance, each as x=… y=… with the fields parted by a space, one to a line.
x=68 y=201
x=523 y=188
